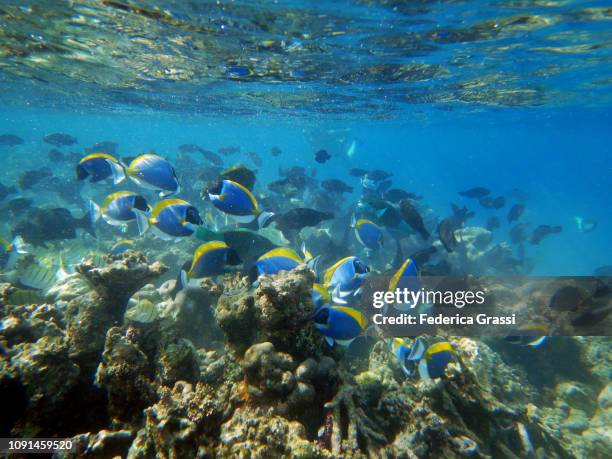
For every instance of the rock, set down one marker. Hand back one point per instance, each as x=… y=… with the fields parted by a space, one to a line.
x=103 y=444
x=126 y=376
x=255 y=433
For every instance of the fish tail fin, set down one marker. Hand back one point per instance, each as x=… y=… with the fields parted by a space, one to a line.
x=18 y=245
x=86 y=222
x=264 y=218
x=119 y=172
x=253 y=274
x=17 y=248
x=94 y=211
x=353 y=221
x=307 y=255
x=337 y=297
x=142 y=220
x=61 y=272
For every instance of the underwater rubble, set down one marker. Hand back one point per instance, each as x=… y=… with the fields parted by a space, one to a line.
x=227 y=370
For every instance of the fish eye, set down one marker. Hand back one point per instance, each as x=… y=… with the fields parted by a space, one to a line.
x=140 y=203
x=321 y=316
x=193 y=216
x=81 y=172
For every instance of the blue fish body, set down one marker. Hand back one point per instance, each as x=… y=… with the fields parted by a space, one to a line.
x=171 y=218
x=234 y=199
x=154 y=172
x=435 y=360
x=346 y=276
x=276 y=260
x=209 y=260
x=369 y=234
x=120 y=206
x=98 y=167
x=339 y=324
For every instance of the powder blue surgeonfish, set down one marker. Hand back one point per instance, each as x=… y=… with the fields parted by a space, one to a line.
x=210 y=259
x=118 y=208
x=170 y=218
x=339 y=324
x=237 y=201
x=281 y=259
x=368 y=233
x=406 y=277
x=345 y=277
x=431 y=362
x=155 y=173
x=100 y=166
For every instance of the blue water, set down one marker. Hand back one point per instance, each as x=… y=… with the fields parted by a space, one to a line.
x=559 y=157
x=447 y=95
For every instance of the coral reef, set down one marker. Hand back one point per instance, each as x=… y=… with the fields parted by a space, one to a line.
x=228 y=370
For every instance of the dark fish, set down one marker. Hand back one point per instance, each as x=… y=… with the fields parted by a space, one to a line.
x=597 y=307
x=518 y=233
x=378 y=175
x=423 y=256
x=592 y=316
x=389 y=217
x=499 y=202
x=446 y=233
x=30 y=178
x=248 y=245
x=493 y=223
x=275 y=151
x=300 y=217
x=229 y=150
x=240 y=174
x=108 y=147
x=18 y=205
x=413 y=218
x=6 y=190
x=56 y=156
x=542 y=231
x=10 y=140
x=336 y=186
x=189 y=148
x=395 y=195
x=486 y=202
x=41 y=225
x=568 y=298
x=461 y=214
x=284 y=187
x=292 y=172
x=212 y=157
x=356 y=172
x=59 y=139
x=515 y=212
x=322 y=156
x=255 y=158
x=477 y=192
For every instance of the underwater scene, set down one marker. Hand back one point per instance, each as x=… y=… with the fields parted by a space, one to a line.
x=204 y=206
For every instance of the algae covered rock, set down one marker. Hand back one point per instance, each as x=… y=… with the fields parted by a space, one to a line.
x=256 y=433
x=126 y=376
